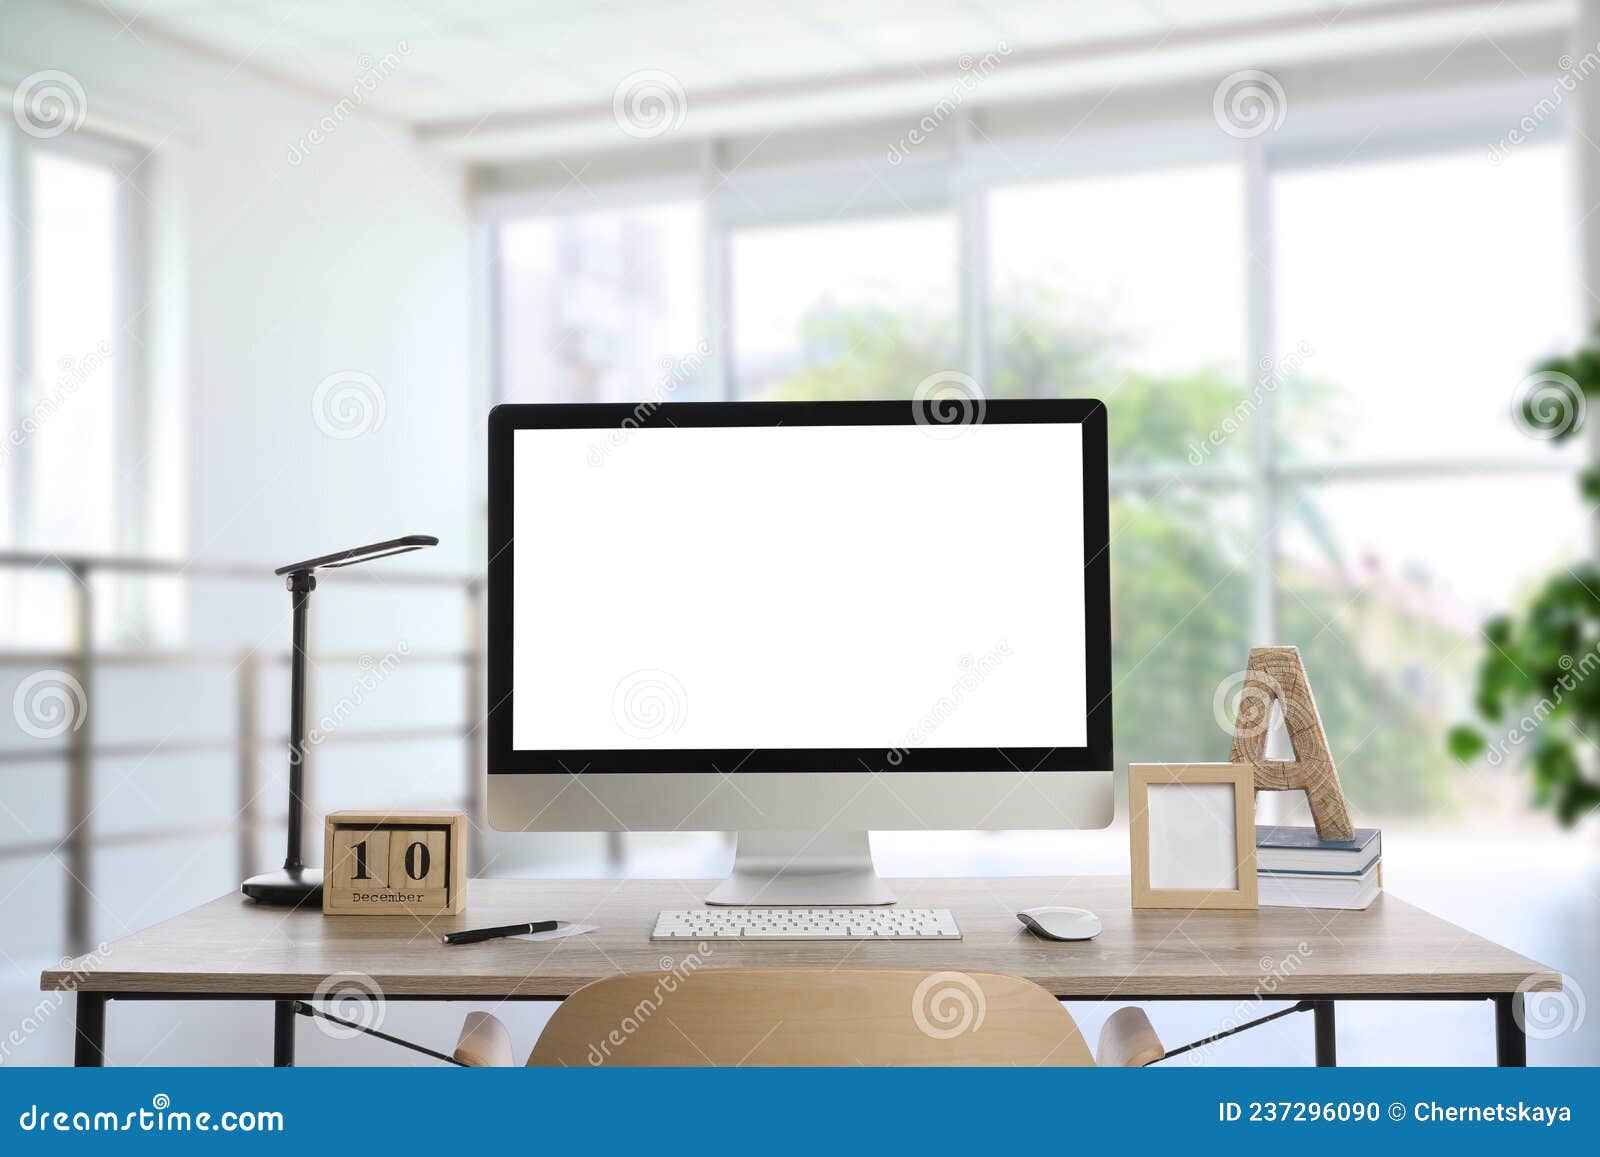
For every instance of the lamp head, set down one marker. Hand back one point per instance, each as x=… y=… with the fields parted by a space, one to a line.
x=359 y=554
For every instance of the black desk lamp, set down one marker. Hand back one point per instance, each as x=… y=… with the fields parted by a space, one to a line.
x=295 y=883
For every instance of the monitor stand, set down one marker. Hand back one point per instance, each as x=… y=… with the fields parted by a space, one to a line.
x=803 y=870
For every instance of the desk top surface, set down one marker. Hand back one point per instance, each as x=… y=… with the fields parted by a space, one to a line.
x=233 y=948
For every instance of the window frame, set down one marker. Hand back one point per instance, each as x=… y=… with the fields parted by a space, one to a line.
x=132 y=433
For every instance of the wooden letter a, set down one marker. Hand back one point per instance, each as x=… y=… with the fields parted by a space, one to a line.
x=1276 y=675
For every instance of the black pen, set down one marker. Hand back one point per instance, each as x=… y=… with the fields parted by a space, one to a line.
x=472 y=936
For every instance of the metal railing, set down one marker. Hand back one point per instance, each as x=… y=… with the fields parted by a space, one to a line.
x=83 y=658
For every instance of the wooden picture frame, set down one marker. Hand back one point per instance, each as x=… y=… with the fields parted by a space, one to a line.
x=1189 y=869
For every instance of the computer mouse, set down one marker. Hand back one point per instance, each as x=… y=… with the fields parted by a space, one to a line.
x=1061 y=923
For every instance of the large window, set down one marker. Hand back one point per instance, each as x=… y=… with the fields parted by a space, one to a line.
x=67 y=395
x=1418 y=290
x=1309 y=354
x=1130 y=287
x=67 y=487
x=1418 y=321
x=601 y=306
x=74 y=459
x=1133 y=275
x=849 y=309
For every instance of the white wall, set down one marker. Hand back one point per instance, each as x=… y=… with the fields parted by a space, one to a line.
x=269 y=276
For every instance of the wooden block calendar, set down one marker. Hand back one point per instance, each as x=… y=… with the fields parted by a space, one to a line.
x=386 y=863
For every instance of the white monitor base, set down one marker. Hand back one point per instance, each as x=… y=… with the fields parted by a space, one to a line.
x=802 y=869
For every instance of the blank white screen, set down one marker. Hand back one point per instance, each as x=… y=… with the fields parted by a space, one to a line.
x=799 y=586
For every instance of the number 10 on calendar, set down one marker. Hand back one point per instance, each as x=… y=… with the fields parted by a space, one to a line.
x=386 y=864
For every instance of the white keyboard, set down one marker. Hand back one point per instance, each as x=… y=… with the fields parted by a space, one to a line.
x=806 y=924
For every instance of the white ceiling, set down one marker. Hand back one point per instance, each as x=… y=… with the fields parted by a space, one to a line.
x=463 y=60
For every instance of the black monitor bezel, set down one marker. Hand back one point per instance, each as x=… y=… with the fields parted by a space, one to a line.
x=505 y=420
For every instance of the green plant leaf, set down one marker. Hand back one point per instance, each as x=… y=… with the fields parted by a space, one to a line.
x=1537 y=663
x=1465 y=743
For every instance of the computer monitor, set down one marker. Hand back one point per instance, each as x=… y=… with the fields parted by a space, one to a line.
x=799 y=621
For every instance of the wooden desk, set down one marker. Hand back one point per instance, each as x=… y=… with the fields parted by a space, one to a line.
x=230 y=949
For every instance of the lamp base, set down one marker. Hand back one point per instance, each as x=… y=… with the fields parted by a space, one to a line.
x=286 y=888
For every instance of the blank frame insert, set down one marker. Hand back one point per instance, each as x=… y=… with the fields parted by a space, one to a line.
x=1192 y=835
x=1198 y=837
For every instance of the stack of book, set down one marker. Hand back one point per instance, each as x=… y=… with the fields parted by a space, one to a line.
x=1294 y=869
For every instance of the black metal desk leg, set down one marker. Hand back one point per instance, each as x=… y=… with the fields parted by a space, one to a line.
x=1327 y=1046
x=89 y=1048
x=283 y=1034
x=1510 y=1041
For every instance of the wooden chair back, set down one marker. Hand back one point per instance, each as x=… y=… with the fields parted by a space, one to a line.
x=797 y=1016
